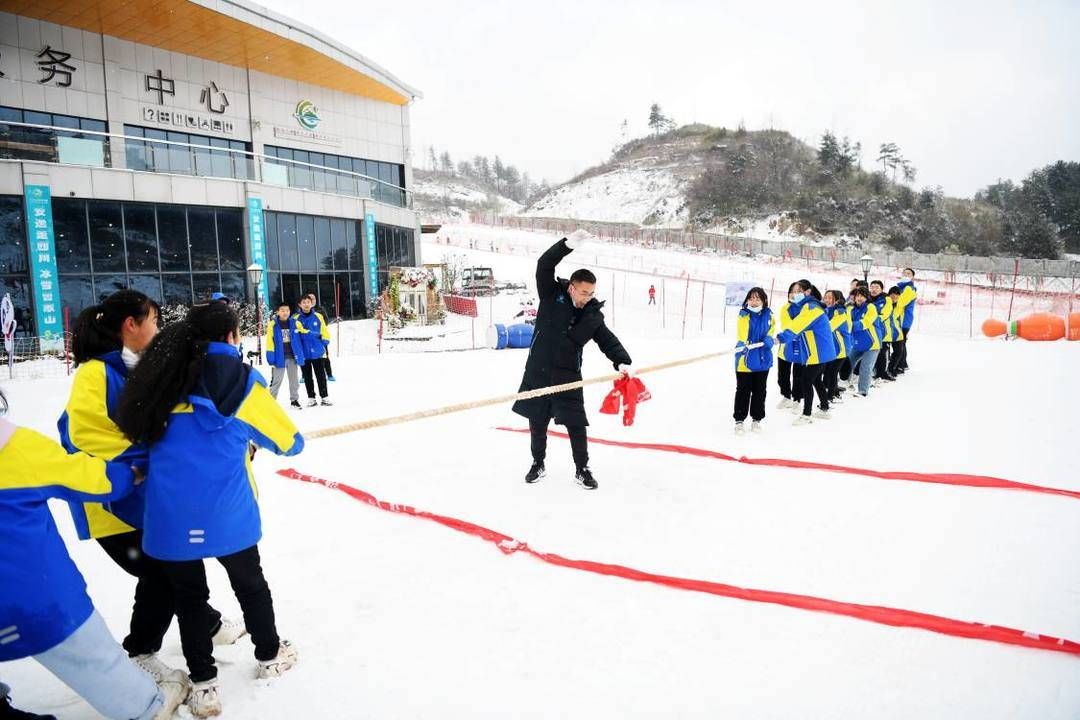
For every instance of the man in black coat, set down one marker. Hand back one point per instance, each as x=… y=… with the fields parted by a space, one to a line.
x=567 y=319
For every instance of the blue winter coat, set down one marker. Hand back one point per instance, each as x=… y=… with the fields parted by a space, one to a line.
x=809 y=327
x=314 y=334
x=754 y=327
x=201 y=499
x=275 y=347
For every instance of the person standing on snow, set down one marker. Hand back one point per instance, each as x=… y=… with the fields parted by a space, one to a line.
x=652 y=294
x=315 y=342
x=756 y=324
x=567 y=319
x=284 y=353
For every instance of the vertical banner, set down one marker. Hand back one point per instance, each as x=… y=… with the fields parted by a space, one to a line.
x=258 y=245
x=41 y=246
x=373 y=259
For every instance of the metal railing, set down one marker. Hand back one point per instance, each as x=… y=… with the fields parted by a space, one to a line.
x=66 y=146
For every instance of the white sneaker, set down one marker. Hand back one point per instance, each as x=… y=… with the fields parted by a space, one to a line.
x=312 y=402
x=756 y=427
x=174 y=693
x=203 y=700
x=838 y=400
x=858 y=395
x=796 y=407
x=822 y=414
x=229 y=632
x=286 y=658
x=158 y=670
x=784 y=404
x=739 y=429
x=803 y=420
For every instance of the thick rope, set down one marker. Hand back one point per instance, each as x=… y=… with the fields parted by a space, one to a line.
x=526 y=395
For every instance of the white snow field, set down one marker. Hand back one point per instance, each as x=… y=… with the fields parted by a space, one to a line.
x=396 y=617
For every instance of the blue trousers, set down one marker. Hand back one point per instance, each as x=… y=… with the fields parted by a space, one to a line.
x=863 y=363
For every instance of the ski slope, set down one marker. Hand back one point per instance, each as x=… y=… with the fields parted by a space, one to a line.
x=395 y=617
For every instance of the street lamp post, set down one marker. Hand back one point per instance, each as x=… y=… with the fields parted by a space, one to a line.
x=867 y=262
x=255 y=274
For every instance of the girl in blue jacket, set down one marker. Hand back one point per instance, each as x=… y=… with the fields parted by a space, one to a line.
x=198 y=407
x=840 y=322
x=45 y=612
x=756 y=325
x=808 y=328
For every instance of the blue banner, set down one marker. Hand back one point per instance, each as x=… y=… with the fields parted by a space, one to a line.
x=373 y=258
x=258 y=245
x=41 y=245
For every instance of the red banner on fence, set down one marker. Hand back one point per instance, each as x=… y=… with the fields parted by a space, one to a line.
x=460 y=305
x=869 y=613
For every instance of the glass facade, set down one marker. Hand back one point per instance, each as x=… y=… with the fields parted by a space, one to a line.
x=14 y=263
x=210 y=158
x=332 y=176
x=66 y=145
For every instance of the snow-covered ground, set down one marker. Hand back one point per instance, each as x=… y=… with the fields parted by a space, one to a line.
x=441 y=198
x=399 y=618
x=648 y=195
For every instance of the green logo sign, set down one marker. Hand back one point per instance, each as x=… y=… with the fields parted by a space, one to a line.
x=307 y=115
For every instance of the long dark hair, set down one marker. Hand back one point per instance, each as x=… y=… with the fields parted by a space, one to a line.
x=760 y=292
x=97 y=329
x=169 y=370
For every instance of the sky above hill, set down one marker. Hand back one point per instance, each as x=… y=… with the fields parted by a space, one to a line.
x=970 y=91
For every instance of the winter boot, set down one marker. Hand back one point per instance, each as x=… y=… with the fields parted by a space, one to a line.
x=535 y=473
x=276 y=667
x=158 y=670
x=203 y=700
x=585 y=479
x=229 y=631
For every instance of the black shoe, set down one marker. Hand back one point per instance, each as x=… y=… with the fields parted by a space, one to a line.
x=889 y=378
x=296 y=404
x=535 y=473
x=9 y=713
x=585 y=479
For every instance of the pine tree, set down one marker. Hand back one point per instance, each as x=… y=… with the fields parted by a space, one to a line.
x=447 y=163
x=828 y=154
x=657 y=121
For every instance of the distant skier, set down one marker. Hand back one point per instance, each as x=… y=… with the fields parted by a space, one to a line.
x=652 y=294
x=568 y=318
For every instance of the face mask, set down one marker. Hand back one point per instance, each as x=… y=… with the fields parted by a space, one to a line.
x=798 y=297
x=753 y=309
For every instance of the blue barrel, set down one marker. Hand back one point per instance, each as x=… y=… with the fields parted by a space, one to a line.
x=520 y=335
x=497 y=337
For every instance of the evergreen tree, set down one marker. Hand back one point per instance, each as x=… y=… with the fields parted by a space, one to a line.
x=828 y=153
x=657 y=121
x=446 y=162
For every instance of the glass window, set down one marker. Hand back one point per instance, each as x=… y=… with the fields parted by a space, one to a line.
x=290 y=288
x=18 y=286
x=270 y=237
x=179 y=155
x=91 y=124
x=106 y=285
x=327 y=296
x=382 y=247
x=354 y=240
x=10 y=114
x=230 y=230
x=273 y=289
x=176 y=288
x=69 y=227
x=339 y=253
x=202 y=239
x=234 y=286
x=12 y=236
x=149 y=285
x=357 y=290
x=172 y=237
x=341 y=285
x=157 y=153
x=140 y=233
x=310 y=284
x=106 y=236
x=322 y=244
x=305 y=233
x=301 y=174
x=270 y=151
x=77 y=293
x=287 y=241
x=206 y=284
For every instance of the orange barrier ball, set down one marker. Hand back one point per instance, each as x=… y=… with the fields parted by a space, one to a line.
x=993 y=328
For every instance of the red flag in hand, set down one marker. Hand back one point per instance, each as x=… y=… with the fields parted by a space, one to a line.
x=628 y=392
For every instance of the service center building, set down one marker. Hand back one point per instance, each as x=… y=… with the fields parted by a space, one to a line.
x=167 y=146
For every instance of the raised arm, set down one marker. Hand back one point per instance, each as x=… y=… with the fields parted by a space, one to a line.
x=546 y=285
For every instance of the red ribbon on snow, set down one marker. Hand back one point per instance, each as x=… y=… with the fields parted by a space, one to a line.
x=870 y=613
x=629 y=391
x=980 y=481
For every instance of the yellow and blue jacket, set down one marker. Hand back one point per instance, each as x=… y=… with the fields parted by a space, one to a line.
x=908 y=295
x=789 y=349
x=201 y=499
x=884 y=311
x=809 y=330
x=43 y=596
x=275 y=345
x=87 y=426
x=897 y=321
x=754 y=327
x=840 y=322
x=314 y=334
x=865 y=324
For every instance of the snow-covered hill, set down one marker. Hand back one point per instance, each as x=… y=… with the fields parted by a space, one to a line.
x=640 y=194
x=440 y=197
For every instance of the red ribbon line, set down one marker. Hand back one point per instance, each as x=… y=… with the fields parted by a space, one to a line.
x=869 y=613
x=983 y=481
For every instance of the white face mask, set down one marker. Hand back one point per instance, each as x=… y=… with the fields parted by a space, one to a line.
x=753 y=309
x=798 y=297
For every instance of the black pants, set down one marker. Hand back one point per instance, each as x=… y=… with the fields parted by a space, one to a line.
x=832 y=378
x=318 y=366
x=188 y=579
x=154 y=607
x=579 y=442
x=788 y=379
x=881 y=366
x=898 y=349
x=903 y=353
x=845 y=369
x=750 y=389
x=812 y=378
x=326 y=364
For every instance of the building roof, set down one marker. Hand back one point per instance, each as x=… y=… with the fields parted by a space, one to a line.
x=232 y=32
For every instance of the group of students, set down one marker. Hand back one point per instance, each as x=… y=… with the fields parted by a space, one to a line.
x=827 y=345
x=154 y=457
x=300 y=340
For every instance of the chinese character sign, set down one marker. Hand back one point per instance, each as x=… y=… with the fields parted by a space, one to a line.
x=42 y=247
x=257 y=238
x=53 y=65
x=373 y=259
